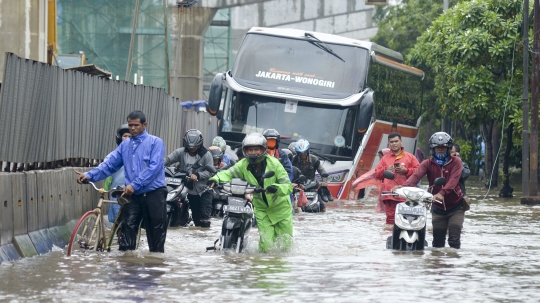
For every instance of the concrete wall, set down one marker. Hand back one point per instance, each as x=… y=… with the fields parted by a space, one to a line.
x=23 y=30
x=39 y=210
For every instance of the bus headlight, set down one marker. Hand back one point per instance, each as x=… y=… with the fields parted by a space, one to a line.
x=337 y=177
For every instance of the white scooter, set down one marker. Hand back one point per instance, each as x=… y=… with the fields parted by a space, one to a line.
x=410 y=218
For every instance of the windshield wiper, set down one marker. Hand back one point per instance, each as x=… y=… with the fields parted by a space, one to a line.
x=322 y=45
x=332 y=161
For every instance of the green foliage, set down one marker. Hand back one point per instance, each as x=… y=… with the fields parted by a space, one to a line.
x=465 y=150
x=470 y=49
x=399 y=26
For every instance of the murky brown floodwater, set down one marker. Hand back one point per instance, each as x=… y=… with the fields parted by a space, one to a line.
x=339 y=256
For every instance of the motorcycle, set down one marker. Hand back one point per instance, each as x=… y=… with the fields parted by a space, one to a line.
x=219 y=200
x=409 y=231
x=238 y=214
x=177 y=202
x=312 y=190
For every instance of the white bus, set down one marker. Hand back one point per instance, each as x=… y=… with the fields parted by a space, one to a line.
x=342 y=95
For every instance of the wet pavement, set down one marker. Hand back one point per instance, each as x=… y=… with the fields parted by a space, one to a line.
x=338 y=256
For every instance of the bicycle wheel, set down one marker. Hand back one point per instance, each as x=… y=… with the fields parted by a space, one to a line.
x=86 y=234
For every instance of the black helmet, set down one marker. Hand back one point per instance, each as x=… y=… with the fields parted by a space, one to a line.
x=440 y=139
x=272 y=134
x=124 y=128
x=254 y=139
x=215 y=152
x=193 y=138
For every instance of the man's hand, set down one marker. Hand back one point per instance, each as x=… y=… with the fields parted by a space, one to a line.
x=211 y=183
x=193 y=177
x=324 y=184
x=401 y=169
x=81 y=177
x=391 y=168
x=271 y=189
x=301 y=186
x=438 y=197
x=128 y=190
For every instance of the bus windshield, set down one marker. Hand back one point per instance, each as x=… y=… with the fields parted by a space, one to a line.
x=328 y=128
x=307 y=67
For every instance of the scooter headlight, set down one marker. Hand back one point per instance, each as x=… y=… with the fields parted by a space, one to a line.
x=416 y=224
x=337 y=177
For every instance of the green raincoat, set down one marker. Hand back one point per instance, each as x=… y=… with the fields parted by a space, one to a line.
x=275 y=218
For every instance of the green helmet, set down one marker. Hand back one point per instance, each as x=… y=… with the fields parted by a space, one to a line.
x=219 y=142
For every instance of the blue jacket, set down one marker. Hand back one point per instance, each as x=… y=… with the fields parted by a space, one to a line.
x=142 y=158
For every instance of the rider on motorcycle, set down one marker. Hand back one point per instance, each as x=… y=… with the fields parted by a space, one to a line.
x=217 y=157
x=448 y=216
x=193 y=152
x=308 y=165
x=272 y=139
x=272 y=208
x=220 y=142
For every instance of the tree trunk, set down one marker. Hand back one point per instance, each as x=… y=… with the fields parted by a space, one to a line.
x=506 y=190
x=496 y=145
x=488 y=131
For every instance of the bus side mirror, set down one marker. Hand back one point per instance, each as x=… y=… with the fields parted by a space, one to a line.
x=216 y=91
x=365 y=113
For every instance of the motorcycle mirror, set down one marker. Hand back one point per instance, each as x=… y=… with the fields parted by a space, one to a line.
x=210 y=168
x=439 y=181
x=324 y=175
x=269 y=174
x=388 y=175
x=301 y=179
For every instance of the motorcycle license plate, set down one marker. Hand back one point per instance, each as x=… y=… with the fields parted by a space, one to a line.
x=406 y=210
x=237 y=209
x=173 y=181
x=310 y=194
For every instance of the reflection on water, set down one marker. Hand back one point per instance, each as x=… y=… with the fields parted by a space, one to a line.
x=339 y=256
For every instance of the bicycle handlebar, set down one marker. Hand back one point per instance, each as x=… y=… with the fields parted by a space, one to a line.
x=100 y=190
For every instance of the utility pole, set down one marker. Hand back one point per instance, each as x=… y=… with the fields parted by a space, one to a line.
x=443 y=121
x=525 y=132
x=166 y=25
x=132 y=42
x=533 y=181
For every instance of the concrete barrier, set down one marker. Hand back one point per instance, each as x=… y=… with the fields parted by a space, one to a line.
x=46 y=238
x=18 y=198
x=43 y=194
x=40 y=243
x=39 y=209
x=31 y=203
x=25 y=246
x=6 y=215
x=11 y=253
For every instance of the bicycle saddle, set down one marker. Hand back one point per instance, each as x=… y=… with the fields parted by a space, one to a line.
x=118 y=193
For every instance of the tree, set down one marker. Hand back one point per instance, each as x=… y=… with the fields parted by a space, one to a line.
x=399 y=26
x=470 y=49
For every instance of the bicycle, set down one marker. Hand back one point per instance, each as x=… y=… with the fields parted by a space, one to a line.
x=90 y=233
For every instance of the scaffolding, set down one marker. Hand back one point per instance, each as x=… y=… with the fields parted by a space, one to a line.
x=102 y=30
x=217 y=48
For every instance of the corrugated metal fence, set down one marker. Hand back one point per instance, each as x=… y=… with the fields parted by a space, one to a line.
x=49 y=114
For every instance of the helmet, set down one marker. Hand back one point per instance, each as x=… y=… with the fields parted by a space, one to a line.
x=193 y=138
x=288 y=153
x=219 y=142
x=254 y=139
x=215 y=152
x=120 y=132
x=440 y=139
x=272 y=134
x=292 y=148
x=301 y=146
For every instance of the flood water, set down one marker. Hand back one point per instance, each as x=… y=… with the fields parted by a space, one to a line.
x=339 y=256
